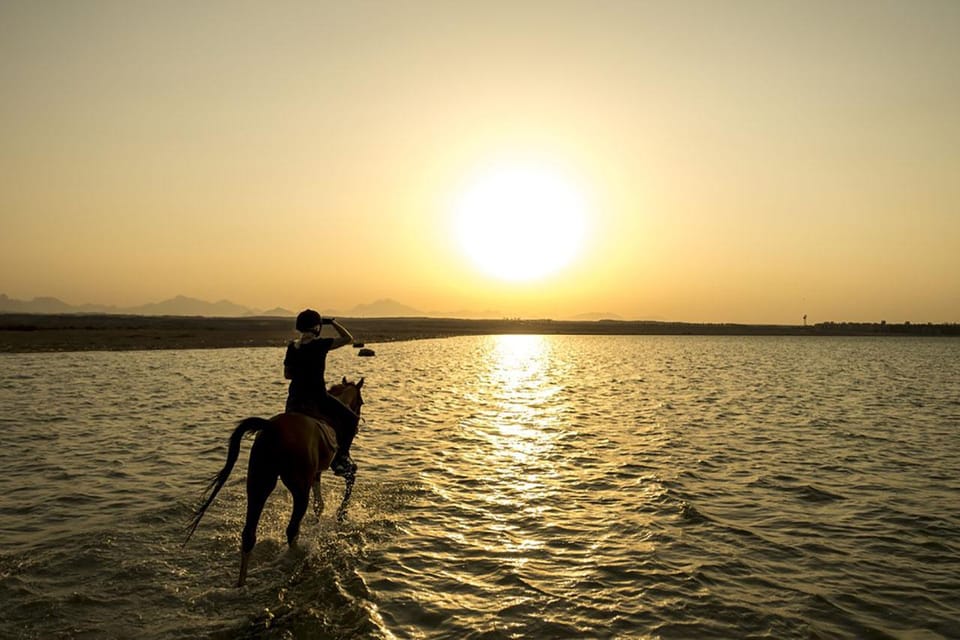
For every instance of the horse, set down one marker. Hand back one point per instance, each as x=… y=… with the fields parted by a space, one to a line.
x=293 y=447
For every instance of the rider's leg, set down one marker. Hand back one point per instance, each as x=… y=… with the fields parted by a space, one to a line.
x=345 y=423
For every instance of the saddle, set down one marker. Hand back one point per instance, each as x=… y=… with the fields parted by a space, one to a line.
x=327 y=434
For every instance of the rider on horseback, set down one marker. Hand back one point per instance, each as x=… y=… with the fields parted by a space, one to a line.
x=304 y=366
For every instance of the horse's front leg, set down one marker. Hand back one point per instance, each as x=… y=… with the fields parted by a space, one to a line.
x=349 y=478
x=317 y=496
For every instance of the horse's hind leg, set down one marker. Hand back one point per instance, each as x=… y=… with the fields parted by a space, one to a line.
x=317 y=496
x=301 y=499
x=259 y=488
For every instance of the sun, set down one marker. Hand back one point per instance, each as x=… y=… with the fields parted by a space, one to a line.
x=520 y=222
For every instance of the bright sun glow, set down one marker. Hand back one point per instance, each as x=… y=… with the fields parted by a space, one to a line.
x=520 y=222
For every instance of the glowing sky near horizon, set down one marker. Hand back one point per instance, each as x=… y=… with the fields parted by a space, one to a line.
x=741 y=161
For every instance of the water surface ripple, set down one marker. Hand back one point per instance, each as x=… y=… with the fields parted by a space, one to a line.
x=510 y=487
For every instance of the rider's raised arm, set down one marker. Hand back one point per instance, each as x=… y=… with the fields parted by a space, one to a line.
x=343 y=339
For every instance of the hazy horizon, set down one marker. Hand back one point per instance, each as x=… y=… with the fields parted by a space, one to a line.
x=384 y=308
x=744 y=162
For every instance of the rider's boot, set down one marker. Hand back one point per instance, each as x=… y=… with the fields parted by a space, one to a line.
x=343 y=465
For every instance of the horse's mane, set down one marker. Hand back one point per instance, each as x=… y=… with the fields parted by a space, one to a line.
x=338 y=389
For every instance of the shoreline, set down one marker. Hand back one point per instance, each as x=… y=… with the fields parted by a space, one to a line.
x=41 y=333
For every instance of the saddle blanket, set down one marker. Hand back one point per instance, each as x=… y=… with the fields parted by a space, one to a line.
x=328 y=435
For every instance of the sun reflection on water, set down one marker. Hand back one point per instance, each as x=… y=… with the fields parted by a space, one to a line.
x=520 y=390
x=519 y=424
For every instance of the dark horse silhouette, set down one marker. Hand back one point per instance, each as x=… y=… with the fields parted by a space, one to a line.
x=293 y=447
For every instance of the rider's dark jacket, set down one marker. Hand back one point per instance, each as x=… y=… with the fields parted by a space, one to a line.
x=306 y=362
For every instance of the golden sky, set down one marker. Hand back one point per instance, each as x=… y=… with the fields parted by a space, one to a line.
x=730 y=161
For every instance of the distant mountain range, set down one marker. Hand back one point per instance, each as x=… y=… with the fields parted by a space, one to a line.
x=591 y=317
x=178 y=306
x=384 y=308
x=185 y=306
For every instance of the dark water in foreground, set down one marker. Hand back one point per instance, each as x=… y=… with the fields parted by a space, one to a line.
x=510 y=487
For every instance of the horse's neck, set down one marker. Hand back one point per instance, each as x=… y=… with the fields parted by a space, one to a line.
x=346 y=395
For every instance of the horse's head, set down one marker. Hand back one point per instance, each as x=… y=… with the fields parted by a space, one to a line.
x=348 y=393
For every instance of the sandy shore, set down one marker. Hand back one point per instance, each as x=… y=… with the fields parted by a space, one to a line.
x=43 y=333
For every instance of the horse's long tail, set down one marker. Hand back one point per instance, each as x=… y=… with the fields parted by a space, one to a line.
x=216 y=483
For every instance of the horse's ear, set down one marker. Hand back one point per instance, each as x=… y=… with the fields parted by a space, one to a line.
x=360 y=384
x=344 y=380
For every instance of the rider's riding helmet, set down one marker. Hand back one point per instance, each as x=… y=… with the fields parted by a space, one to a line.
x=307 y=320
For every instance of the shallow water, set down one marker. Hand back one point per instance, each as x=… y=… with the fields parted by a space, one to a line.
x=512 y=486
